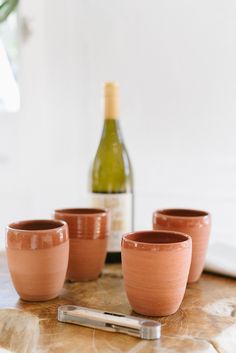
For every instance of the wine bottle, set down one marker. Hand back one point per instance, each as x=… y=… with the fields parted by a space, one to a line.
x=111 y=175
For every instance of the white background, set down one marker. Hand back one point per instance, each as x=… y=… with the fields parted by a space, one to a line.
x=176 y=65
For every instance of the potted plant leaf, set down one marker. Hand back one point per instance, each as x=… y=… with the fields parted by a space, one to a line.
x=6 y=7
x=9 y=91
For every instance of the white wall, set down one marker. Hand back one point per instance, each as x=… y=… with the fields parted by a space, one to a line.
x=175 y=62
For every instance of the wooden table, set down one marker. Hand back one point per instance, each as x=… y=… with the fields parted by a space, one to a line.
x=206 y=321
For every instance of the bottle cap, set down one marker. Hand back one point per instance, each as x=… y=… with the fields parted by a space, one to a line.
x=111 y=89
x=111 y=109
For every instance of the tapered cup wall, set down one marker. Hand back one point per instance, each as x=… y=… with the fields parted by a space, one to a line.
x=155 y=266
x=88 y=232
x=37 y=254
x=193 y=222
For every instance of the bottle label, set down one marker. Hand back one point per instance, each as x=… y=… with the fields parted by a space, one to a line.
x=120 y=208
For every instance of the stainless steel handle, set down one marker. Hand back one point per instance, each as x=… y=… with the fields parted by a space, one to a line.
x=109 y=321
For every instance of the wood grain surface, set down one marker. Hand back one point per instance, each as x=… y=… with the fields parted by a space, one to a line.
x=205 y=323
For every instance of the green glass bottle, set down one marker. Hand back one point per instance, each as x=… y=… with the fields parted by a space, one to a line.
x=111 y=175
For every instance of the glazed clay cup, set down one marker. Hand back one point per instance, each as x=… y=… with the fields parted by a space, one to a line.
x=37 y=254
x=88 y=231
x=155 y=266
x=193 y=222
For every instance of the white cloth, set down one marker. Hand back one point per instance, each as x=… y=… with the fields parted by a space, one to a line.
x=221 y=258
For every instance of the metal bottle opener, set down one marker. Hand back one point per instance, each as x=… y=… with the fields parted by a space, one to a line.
x=108 y=321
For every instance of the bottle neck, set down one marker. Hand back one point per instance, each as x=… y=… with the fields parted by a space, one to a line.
x=111 y=129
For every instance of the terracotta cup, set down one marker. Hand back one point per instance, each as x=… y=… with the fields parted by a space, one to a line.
x=37 y=254
x=193 y=222
x=88 y=232
x=155 y=266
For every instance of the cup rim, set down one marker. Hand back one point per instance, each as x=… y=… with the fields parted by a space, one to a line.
x=81 y=211
x=158 y=245
x=13 y=225
x=184 y=213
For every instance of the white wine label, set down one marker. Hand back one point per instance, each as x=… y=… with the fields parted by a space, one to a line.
x=120 y=208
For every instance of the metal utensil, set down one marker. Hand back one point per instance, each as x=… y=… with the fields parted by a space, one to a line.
x=108 y=321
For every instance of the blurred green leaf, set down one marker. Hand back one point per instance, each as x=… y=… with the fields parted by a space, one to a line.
x=6 y=7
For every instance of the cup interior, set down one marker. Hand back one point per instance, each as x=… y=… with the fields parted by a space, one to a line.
x=81 y=211
x=157 y=237
x=181 y=212
x=36 y=225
